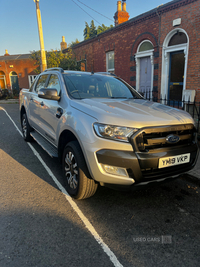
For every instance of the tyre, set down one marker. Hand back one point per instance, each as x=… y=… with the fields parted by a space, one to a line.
x=26 y=128
x=76 y=175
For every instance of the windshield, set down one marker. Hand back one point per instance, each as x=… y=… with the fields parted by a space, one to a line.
x=97 y=86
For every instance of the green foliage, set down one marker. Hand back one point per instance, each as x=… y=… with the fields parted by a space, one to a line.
x=56 y=59
x=86 y=32
x=74 y=42
x=103 y=28
x=91 y=30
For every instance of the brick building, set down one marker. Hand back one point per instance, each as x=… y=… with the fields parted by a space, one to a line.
x=156 y=51
x=16 y=71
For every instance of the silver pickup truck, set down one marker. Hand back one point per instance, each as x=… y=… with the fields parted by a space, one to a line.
x=105 y=132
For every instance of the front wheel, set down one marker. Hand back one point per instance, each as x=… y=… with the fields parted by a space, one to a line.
x=76 y=175
x=26 y=128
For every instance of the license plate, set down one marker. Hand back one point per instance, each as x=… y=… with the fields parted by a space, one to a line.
x=175 y=160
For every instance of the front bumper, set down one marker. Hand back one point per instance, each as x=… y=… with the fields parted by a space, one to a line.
x=143 y=166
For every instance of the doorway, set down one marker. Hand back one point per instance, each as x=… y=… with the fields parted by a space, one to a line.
x=176 y=75
x=14 y=81
x=2 y=80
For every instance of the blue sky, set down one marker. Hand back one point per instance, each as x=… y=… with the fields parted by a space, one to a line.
x=18 y=21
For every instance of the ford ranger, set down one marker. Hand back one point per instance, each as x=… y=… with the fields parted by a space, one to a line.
x=104 y=132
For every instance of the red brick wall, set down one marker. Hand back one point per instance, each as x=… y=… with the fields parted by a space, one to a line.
x=123 y=41
x=125 y=38
x=23 y=68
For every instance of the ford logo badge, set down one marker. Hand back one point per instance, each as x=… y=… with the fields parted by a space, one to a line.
x=172 y=139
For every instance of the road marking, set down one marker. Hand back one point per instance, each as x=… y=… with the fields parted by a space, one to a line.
x=88 y=225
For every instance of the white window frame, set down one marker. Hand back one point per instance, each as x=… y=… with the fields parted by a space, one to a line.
x=107 y=59
x=31 y=79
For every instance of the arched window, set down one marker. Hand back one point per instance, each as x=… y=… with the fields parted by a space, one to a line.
x=2 y=80
x=145 y=46
x=13 y=73
x=178 y=38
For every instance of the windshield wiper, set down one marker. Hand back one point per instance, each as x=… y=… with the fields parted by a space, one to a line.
x=135 y=97
x=119 y=97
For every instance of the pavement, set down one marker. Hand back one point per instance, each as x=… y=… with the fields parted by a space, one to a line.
x=194 y=173
x=9 y=101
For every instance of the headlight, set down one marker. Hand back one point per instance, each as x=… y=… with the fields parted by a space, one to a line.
x=116 y=133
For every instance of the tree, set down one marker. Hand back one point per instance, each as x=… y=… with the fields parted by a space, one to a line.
x=103 y=28
x=55 y=59
x=86 y=32
x=91 y=30
x=74 y=42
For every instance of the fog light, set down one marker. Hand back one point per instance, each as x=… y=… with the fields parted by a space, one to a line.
x=114 y=170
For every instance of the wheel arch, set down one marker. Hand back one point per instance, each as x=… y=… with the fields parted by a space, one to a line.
x=65 y=137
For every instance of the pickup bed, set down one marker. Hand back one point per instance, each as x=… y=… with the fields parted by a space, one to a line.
x=104 y=132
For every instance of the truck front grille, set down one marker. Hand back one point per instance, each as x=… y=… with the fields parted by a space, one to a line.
x=153 y=138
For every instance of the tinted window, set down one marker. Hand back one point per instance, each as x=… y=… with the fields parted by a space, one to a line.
x=54 y=83
x=41 y=82
x=101 y=86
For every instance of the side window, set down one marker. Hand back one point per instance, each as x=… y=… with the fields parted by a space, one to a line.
x=110 y=61
x=41 y=82
x=54 y=83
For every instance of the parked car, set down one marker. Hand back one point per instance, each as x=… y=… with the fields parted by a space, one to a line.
x=105 y=132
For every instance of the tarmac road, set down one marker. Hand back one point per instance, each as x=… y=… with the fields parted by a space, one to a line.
x=40 y=226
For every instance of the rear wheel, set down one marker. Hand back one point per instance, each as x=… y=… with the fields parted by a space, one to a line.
x=26 y=128
x=76 y=175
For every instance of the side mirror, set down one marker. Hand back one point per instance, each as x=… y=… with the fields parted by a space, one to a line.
x=48 y=93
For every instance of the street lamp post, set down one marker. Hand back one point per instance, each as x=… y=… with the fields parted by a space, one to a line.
x=43 y=65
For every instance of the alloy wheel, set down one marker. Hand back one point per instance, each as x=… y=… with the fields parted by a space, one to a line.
x=24 y=127
x=71 y=170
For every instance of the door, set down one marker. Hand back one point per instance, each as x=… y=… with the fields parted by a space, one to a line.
x=51 y=112
x=176 y=75
x=145 y=76
x=14 y=82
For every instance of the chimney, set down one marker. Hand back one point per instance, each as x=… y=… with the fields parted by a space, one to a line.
x=6 y=53
x=63 y=44
x=124 y=5
x=119 y=5
x=121 y=15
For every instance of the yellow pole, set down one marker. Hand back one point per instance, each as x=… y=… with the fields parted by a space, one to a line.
x=43 y=65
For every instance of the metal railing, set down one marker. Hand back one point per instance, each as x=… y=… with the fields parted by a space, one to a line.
x=193 y=108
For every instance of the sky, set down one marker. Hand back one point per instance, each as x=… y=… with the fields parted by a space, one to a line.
x=18 y=21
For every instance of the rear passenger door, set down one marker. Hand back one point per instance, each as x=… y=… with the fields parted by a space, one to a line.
x=49 y=111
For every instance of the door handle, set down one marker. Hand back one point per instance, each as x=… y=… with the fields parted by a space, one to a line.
x=42 y=104
x=59 y=113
